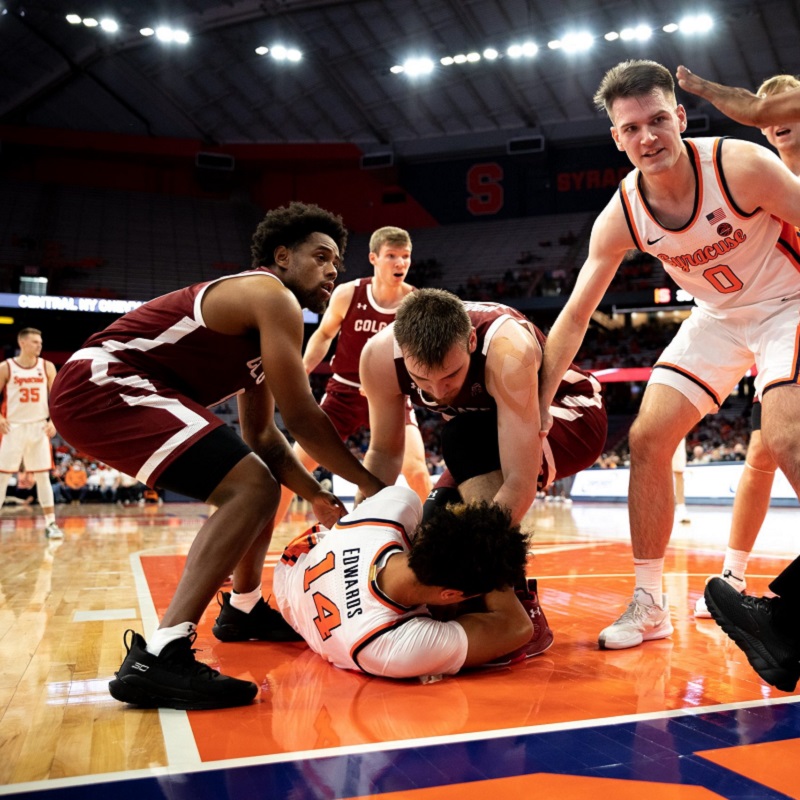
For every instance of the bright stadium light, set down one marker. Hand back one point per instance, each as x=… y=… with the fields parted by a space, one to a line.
x=577 y=42
x=418 y=66
x=700 y=23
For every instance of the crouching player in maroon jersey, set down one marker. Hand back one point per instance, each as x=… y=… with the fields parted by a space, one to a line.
x=137 y=395
x=478 y=365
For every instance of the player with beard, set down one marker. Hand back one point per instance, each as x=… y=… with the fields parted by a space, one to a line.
x=137 y=397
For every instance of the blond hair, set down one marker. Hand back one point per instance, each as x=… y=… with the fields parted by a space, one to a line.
x=778 y=84
x=388 y=235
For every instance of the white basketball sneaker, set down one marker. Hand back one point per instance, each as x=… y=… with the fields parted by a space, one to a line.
x=701 y=609
x=681 y=514
x=52 y=531
x=643 y=620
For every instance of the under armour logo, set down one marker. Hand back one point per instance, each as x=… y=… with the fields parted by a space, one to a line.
x=361 y=305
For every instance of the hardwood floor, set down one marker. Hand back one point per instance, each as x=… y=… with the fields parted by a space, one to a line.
x=685 y=713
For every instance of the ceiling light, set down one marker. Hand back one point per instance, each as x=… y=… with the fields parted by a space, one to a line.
x=262 y=51
x=473 y=57
x=164 y=34
x=90 y=22
x=146 y=31
x=577 y=42
x=109 y=25
x=419 y=66
x=181 y=37
x=447 y=61
x=641 y=33
x=490 y=53
x=460 y=58
x=74 y=19
x=611 y=36
x=700 y=23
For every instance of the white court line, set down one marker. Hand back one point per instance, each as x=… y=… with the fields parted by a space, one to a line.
x=179 y=742
x=402 y=744
x=104 y=615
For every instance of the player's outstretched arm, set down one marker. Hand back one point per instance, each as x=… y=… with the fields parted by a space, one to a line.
x=740 y=104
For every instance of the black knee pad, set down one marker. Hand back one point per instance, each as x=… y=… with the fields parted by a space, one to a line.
x=470 y=446
x=438 y=498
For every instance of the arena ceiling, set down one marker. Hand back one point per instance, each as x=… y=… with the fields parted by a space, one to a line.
x=218 y=90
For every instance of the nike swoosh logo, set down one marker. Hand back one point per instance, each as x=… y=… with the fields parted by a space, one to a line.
x=655 y=240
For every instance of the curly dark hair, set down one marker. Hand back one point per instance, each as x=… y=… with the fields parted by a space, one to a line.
x=472 y=547
x=290 y=226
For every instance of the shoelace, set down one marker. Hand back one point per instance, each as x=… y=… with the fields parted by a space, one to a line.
x=635 y=611
x=183 y=657
x=760 y=604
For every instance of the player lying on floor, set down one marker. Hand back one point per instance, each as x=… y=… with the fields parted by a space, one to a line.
x=359 y=593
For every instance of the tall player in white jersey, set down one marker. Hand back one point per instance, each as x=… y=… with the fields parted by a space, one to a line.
x=25 y=422
x=720 y=215
x=359 y=593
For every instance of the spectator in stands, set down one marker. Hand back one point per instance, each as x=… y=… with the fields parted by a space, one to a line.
x=129 y=491
x=75 y=480
x=25 y=490
x=109 y=483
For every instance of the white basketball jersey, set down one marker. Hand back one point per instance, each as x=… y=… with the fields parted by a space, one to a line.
x=724 y=257
x=326 y=584
x=26 y=392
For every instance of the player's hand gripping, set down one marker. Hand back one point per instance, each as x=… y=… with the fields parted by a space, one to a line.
x=327 y=508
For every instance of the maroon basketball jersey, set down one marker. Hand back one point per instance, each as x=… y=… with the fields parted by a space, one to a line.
x=486 y=319
x=364 y=318
x=166 y=338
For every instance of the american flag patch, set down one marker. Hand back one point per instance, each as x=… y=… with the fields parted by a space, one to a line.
x=715 y=216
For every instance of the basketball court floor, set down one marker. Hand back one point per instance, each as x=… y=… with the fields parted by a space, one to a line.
x=683 y=718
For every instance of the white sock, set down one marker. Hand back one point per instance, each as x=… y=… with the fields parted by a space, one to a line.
x=736 y=562
x=5 y=477
x=649 y=573
x=246 y=601
x=50 y=519
x=163 y=636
